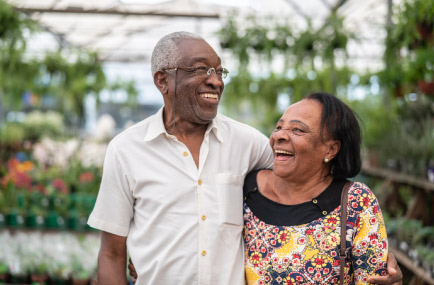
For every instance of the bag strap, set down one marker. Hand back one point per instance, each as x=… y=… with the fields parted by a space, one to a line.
x=342 y=255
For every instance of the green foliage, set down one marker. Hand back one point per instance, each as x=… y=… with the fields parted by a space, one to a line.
x=409 y=51
x=38 y=124
x=307 y=65
x=65 y=77
x=11 y=133
x=375 y=122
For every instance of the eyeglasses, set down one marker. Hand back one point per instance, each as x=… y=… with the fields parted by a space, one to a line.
x=222 y=73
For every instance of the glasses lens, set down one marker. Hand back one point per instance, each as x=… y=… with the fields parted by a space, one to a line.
x=221 y=72
x=201 y=70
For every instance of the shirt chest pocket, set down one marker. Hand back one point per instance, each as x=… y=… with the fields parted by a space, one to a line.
x=230 y=198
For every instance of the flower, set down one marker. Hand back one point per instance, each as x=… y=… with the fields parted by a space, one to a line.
x=255 y=258
x=289 y=281
x=283 y=237
x=60 y=185
x=320 y=261
x=86 y=177
x=365 y=201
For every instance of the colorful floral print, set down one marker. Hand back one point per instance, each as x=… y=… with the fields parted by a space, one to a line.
x=309 y=253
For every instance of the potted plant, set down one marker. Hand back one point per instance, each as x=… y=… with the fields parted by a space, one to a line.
x=411 y=41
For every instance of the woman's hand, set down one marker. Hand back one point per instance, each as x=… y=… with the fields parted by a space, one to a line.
x=394 y=276
x=133 y=272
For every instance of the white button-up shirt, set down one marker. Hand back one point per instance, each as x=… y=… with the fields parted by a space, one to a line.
x=184 y=223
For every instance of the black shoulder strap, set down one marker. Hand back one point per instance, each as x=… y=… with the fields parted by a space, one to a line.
x=344 y=202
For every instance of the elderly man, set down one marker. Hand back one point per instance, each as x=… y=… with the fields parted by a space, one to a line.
x=171 y=190
x=172 y=184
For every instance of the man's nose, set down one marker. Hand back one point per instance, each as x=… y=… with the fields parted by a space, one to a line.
x=213 y=79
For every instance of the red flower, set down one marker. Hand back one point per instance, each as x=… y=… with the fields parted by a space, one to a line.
x=309 y=231
x=40 y=188
x=86 y=177
x=60 y=185
x=22 y=180
x=373 y=236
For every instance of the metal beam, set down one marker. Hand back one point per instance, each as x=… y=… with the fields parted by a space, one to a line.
x=74 y=10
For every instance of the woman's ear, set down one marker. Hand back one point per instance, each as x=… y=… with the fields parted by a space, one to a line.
x=160 y=80
x=333 y=148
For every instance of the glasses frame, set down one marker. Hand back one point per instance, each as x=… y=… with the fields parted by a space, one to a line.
x=195 y=69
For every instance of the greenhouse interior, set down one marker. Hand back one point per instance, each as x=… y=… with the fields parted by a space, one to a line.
x=75 y=73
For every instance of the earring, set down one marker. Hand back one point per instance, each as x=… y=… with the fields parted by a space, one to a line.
x=326 y=160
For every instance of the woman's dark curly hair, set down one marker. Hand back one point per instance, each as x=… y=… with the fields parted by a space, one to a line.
x=341 y=124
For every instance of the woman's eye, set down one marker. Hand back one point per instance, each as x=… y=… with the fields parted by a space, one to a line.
x=297 y=130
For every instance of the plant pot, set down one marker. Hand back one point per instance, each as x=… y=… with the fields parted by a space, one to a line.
x=80 y=281
x=55 y=221
x=59 y=281
x=38 y=279
x=15 y=220
x=3 y=278
x=426 y=87
x=35 y=221
x=77 y=223
x=20 y=279
x=398 y=92
x=2 y=220
x=425 y=31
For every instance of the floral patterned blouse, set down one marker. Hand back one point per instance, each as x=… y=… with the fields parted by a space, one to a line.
x=309 y=253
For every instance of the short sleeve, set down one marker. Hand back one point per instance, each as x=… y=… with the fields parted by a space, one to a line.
x=262 y=156
x=114 y=206
x=370 y=247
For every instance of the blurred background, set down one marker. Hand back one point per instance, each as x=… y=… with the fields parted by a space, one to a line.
x=74 y=73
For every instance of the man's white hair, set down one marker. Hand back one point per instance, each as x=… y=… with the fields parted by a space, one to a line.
x=166 y=51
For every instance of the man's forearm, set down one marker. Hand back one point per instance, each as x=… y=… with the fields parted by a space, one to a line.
x=111 y=269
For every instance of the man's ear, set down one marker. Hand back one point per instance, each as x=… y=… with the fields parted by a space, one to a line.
x=160 y=80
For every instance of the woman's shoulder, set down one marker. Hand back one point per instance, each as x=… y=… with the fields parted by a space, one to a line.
x=251 y=181
x=360 y=197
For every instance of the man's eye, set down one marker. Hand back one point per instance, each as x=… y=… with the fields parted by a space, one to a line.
x=201 y=69
x=219 y=71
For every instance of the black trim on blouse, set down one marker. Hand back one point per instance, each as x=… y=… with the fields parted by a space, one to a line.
x=274 y=213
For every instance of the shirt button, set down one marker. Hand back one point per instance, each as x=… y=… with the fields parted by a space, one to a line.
x=203 y=252
x=203 y=217
x=199 y=182
x=314 y=201
x=185 y=153
x=324 y=213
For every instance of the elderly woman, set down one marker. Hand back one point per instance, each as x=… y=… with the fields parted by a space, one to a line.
x=292 y=213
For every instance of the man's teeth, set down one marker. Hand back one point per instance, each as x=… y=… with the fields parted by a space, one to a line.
x=210 y=95
x=283 y=152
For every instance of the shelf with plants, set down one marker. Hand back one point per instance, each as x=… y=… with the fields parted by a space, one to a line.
x=48 y=180
x=420 y=272
x=48 y=257
x=413 y=245
x=410 y=49
x=407 y=202
x=48 y=186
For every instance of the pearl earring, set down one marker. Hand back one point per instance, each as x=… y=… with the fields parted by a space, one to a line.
x=326 y=160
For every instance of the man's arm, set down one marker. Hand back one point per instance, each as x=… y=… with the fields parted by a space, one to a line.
x=394 y=275
x=112 y=259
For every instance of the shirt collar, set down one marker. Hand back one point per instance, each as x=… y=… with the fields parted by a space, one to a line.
x=156 y=127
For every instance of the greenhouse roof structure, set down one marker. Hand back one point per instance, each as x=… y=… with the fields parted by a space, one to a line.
x=126 y=30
